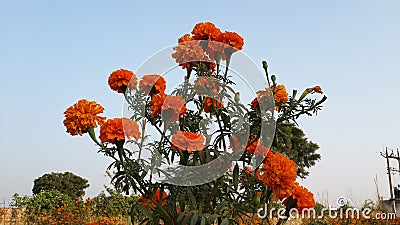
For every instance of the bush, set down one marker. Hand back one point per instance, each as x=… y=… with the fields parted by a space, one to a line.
x=41 y=204
x=113 y=205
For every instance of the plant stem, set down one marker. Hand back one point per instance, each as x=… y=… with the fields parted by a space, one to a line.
x=143 y=137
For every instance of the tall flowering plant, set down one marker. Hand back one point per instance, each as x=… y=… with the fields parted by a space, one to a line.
x=199 y=154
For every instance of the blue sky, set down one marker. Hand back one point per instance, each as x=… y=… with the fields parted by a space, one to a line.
x=53 y=53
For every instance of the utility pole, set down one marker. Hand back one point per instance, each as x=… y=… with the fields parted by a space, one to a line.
x=388 y=156
x=390 y=174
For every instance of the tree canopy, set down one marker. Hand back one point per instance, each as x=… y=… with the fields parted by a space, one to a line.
x=66 y=183
x=291 y=141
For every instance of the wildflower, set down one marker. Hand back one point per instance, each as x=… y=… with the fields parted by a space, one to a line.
x=83 y=115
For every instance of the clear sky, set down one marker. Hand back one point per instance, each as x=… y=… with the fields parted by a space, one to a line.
x=53 y=53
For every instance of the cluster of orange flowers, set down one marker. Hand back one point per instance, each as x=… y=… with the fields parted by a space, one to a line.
x=207 y=43
x=82 y=116
x=279 y=173
x=79 y=214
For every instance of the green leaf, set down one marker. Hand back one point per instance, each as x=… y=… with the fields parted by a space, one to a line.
x=194 y=219
x=236 y=176
x=212 y=218
x=187 y=218
x=225 y=221
x=180 y=217
x=203 y=220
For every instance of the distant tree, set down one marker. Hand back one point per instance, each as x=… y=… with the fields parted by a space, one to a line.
x=291 y=141
x=67 y=183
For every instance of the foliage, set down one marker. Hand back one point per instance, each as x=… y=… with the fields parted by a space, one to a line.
x=204 y=128
x=41 y=203
x=113 y=205
x=291 y=141
x=54 y=207
x=67 y=183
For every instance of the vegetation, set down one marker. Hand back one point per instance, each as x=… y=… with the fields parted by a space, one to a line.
x=66 y=183
x=54 y=207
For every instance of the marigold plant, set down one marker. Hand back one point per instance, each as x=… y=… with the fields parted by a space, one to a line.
x=200 y=154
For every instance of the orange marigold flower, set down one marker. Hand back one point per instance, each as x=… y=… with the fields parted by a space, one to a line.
x=114 y=130
x=152 y=84
x=305 y=199
x=212 y=105
x=205 y=31
x=317 y=89
x=184 y=38
x=280 y=94
x=254 y=104
x=188 y=53
x=83 y=115
x=204 y=85
x=156 y=197
x=187 y=141
x=232 y=39
x=278 y=173
x=174 y=107
x=156 y=103
x=121 y=79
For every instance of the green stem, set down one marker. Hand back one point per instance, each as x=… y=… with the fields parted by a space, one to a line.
x=265 y=66
x=143 y=136
x=222 y=133
x=213 y=191
x=93 y=136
